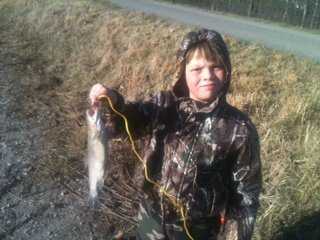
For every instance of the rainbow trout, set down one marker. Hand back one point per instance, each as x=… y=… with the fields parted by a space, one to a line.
x=97 y=153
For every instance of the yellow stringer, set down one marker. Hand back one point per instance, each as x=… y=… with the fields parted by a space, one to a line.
x=177 y=204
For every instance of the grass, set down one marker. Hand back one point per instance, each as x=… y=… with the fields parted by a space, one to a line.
x=74 y=44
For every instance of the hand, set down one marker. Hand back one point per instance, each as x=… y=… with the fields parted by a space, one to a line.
x=96 y=92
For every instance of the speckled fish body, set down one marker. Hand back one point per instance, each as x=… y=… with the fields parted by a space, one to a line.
x=97 y=153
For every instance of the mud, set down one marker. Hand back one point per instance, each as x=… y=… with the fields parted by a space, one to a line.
x=34 y=202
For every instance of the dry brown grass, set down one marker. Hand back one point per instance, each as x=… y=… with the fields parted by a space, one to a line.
x=81 y=43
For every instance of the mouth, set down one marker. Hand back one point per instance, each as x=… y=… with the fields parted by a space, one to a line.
x=208 y=86
x=92 y=110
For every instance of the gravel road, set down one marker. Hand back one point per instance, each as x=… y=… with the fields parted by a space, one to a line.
x=272 y=36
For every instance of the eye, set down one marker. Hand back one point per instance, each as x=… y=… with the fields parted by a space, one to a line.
x=217 y=68
x=198 y=69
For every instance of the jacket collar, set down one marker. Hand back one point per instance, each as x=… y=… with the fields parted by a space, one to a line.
x=189 y=105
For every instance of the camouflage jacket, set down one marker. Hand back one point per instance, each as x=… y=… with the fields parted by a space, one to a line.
x=207 y=156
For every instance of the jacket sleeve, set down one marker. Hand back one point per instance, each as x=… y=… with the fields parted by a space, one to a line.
x=144 y=115
x=246 y=184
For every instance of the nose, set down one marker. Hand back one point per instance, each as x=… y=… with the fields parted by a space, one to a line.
x=208 y=74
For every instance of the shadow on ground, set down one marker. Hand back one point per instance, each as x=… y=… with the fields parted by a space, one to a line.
x=305 y=229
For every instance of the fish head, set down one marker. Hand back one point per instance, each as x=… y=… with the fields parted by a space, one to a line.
x=95 y=122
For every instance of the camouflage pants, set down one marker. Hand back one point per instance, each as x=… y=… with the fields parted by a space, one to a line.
x=151 y=227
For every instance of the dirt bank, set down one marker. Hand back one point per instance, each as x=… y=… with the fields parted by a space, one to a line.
x=36 y=200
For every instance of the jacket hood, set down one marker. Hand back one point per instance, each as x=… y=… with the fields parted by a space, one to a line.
x=216 y=43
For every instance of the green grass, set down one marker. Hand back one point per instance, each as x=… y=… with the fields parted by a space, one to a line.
x=82 y=42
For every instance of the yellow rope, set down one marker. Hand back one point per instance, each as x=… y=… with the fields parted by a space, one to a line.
x=173 y=200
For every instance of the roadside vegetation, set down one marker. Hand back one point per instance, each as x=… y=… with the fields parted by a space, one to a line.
x=70 y=45
x=301 y=13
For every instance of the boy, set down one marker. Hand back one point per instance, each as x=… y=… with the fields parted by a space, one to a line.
x=203 y=152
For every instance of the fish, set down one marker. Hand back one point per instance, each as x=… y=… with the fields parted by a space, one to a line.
x=97 y=147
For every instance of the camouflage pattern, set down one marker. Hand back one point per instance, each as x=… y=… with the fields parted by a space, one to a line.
x=206 y=156
x=152 y=227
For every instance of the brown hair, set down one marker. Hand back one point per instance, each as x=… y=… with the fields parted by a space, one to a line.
x=204 y=49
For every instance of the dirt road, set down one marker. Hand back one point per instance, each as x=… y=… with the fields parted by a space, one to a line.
x=276 y=37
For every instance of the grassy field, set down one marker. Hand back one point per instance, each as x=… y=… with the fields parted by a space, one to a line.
x=70 y=45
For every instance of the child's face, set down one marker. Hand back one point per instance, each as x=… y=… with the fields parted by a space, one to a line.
x=204 y=78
